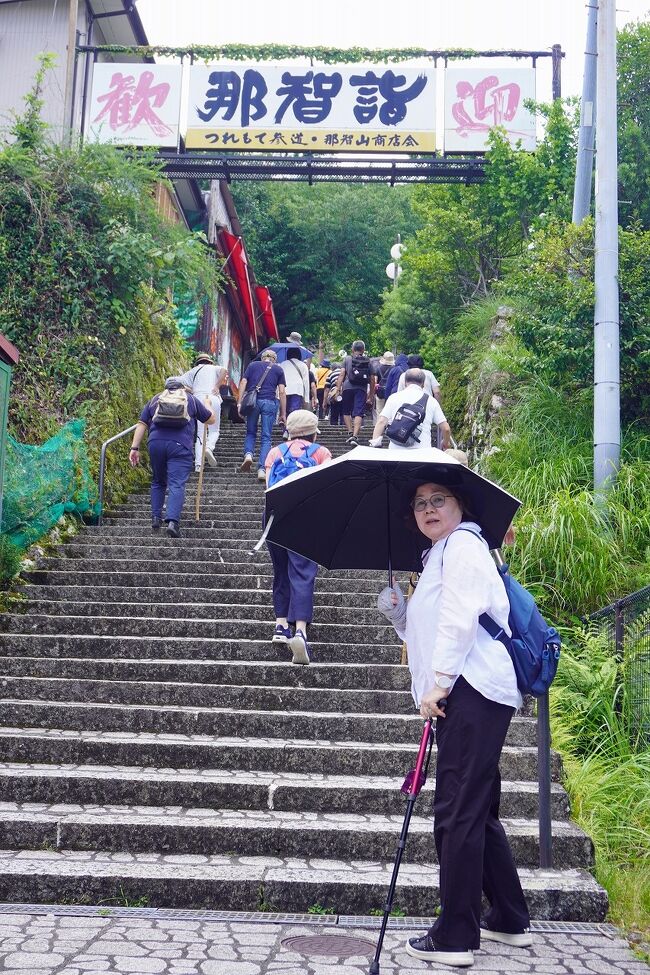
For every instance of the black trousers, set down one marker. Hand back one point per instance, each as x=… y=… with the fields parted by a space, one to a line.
x=473 y=850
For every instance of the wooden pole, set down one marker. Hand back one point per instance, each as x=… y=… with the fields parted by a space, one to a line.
x=199 y=486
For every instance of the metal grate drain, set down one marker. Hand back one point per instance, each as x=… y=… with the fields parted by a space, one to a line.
x=329 y=945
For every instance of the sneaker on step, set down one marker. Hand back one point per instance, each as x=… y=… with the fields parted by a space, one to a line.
x=156 y=523
x=261 y=475
x=281 y=634
x=352 y=441
x=425 y=949
x=517 y=939
x=246 y=464
x=209 y=456
x=173 y=530
x=299 y=648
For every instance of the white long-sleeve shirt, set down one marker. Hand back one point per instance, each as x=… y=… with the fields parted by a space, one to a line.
x=442 y=629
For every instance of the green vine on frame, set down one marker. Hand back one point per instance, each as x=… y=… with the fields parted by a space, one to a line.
x=283 y=52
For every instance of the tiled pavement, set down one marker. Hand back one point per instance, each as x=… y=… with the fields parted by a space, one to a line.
x=33 y=942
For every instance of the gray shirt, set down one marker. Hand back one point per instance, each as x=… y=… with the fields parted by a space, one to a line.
x=346 y=365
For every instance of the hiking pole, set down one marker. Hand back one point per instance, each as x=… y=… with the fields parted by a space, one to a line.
x=199 y=486
x=411 y=788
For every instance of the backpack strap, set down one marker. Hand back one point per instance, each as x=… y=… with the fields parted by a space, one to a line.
x=259 y=385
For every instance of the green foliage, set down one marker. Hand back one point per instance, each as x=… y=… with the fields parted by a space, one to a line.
x=574 y=554
x=9 y=560
x=553 y=285
x=319 y=909
x=608 y=780
x=634 y=124
x=282 y=52
x=322 y=250
x=471 y=236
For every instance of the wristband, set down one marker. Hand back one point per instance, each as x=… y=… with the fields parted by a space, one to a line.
x=137 y=449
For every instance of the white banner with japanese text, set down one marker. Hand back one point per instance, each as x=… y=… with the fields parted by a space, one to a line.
x=294 y=108
x=135 y=104
x=478 y=99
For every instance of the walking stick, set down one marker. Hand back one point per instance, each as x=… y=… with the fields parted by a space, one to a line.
x=199 y=486
x=411 y=788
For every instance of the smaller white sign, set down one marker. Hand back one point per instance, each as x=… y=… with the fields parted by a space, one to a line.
x=135 y=104
x=478 y=99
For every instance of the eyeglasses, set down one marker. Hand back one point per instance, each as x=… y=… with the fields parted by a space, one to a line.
x=436 y=501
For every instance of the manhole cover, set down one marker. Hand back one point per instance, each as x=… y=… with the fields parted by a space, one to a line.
x=334 y=945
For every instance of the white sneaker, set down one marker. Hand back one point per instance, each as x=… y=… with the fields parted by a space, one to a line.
x=261 y=475
x=523 y=939
x=209 y=456
x=299 y=648
x=246 y=464
x=425 y=949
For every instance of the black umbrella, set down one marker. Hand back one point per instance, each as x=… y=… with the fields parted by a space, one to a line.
x=351 y=512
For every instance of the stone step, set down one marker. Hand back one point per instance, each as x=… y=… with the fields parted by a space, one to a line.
x=79 y=572
x=154 y=692
x=272 y=883
x=335 y=633
x=384 y=677
x=147 y=547
x=342 y=602
x=122 y=533
x=261 y=611
x=256 y=833
x=234 y=789
x=161 y=749
x=217 y=720
x=206 y=648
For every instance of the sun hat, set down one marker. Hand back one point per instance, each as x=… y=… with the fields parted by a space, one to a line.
x=325 y=364
x=203 y=357
x=295 y=337
x=302 y=423
x=388 y=359
x=269 y=355
x=174 y=382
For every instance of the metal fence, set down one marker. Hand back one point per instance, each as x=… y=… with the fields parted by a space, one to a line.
x=626 y=624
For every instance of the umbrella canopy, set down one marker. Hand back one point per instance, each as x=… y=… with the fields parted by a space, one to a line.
x=280 y=349
x=359 y=501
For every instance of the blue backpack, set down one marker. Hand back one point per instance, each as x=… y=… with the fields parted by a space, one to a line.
x=288 y=464
x=534 y=646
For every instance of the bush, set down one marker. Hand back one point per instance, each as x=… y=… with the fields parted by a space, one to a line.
x=9 y=560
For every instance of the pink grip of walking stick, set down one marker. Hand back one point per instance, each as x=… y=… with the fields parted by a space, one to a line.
x=416 y=777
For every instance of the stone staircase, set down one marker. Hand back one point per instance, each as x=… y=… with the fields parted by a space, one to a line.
x=158 y=749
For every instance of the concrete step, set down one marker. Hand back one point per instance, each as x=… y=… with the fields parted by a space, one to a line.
x=256 y=833
x=157 y=693
x=120 y=534
x=383 y=677
x=234 y=629
x=261 y=611
x=213 y=720
x=250 y=883
x=82 y=572
x=234 y=789
x=205 y=648
x=153 y=595
x=161 y=749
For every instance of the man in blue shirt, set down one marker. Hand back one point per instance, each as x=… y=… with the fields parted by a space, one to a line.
x=171 y=452
x=268 y=378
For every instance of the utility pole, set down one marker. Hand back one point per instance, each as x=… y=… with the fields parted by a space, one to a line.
x=585 y=156
x=68 y=107
x=607 y=380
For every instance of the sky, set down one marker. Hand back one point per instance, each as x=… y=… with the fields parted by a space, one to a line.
x=478 y=24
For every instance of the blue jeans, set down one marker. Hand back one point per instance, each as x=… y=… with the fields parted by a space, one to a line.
x=171 y=464
x=267 y=411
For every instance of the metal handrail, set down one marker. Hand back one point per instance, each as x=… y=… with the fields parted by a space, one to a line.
x=102 y=467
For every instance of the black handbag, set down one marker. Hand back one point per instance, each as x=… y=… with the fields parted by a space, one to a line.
x=248 y=401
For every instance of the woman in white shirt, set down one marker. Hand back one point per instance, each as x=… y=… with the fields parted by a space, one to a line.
x=204 y=380
x=466 y=679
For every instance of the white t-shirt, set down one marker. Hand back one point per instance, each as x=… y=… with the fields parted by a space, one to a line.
x=203 y=379
x=430 y=382
x=297 y=379
x=411 y=394
x=442 y=629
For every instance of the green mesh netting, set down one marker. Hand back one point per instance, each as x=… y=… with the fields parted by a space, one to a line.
x=42 y=483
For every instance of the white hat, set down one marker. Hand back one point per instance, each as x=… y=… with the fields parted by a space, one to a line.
x=388 y=359
x=295 y=337
x=302 y=423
